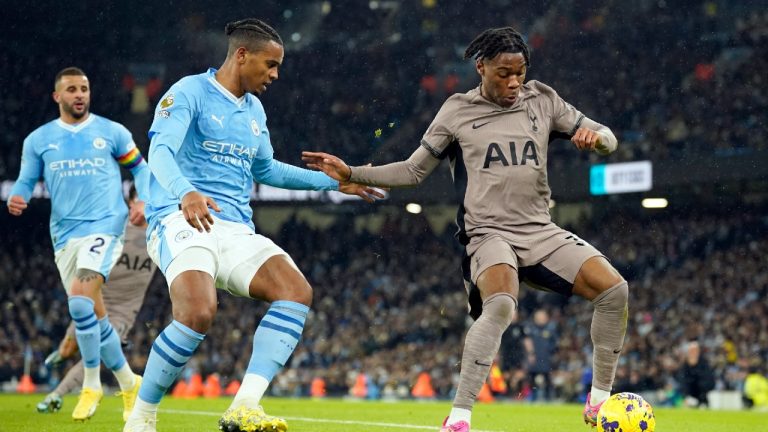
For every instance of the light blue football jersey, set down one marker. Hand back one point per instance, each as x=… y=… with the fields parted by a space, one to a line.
x=204 y=138
x=79 y=166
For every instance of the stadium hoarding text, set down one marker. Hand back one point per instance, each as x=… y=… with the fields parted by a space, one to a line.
x=262 y=193
x=620 y=178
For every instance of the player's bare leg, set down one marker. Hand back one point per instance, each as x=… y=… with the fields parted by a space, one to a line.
x=499 y=288
x=600 y=283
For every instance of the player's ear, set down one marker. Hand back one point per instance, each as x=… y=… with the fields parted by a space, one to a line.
x=55 y=96
x=480 y=66
x=240 y=54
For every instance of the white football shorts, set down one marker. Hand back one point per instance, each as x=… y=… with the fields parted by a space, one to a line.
x=97 y=252
x=230 y=246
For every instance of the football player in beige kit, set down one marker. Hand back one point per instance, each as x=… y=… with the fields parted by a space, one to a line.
x=123 y=297
x=496 y=137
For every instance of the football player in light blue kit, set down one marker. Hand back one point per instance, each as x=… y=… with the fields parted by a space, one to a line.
x=209 y=142
x=79 y=156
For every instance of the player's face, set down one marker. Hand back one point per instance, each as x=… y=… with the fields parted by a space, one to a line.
x=502 y=77
x=73 y=94
x=259 y=68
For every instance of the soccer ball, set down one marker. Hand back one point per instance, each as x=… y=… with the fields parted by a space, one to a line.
x=626 y=412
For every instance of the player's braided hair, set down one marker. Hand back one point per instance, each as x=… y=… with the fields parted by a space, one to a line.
x=250 y=33
x=491 y=42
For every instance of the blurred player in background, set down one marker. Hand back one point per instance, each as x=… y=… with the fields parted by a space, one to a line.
x=123 y=297
x=209 y=142
x=496 y=138
x=79 y=156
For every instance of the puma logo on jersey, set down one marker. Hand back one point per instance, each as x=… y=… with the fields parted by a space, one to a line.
x=496 y=154
x=220 y=121
x=54 y=146
x=478 y=126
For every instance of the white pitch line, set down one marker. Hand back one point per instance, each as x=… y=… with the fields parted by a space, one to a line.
x=320 y=420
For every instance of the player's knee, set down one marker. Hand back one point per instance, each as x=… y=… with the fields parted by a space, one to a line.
x=300 y=292
x=198 y=318
x=614 y=298
x=293 y=286
x=500 y=307
x=80 y=306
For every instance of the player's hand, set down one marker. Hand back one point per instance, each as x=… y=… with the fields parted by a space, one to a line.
x=367 y=193
x=585 y=139
x=136 y=213
x=16 y=205
x=331 y=165
x=194 y=206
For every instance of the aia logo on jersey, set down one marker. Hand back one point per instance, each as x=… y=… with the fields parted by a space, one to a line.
x=514 y=156
x=99 y=143
x=135 y=263
x=255 y=128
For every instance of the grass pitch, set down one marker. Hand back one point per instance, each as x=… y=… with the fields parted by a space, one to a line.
x=17 y=414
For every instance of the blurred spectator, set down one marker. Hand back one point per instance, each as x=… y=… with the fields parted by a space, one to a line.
x=696 y=376
x=379 y=308
x=756 y=389
x=541 y=339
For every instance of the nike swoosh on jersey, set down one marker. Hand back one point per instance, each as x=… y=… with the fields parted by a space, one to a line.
x=477 y=126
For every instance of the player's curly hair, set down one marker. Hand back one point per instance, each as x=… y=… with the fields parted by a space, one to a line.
x=250 y=33
x=491 y=42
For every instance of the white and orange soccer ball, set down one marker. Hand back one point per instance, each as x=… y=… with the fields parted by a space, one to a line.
x=626 y=412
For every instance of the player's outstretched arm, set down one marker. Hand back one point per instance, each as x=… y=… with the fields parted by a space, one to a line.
x=331 y=165
x=272 y=172
x=409 y=172
x=594 y=136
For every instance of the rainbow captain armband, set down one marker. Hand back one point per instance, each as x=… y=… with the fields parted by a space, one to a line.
x=131 y=159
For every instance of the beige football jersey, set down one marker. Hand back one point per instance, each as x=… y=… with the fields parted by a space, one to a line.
x=498 y=156
x=130 y=277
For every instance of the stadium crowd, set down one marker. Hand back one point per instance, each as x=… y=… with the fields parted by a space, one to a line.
x=693 y=88
x=390 y=304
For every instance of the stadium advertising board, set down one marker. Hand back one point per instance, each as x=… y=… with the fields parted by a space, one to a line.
x=620 y=178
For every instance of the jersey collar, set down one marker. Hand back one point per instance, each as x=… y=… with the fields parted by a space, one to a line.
x=239 y=101
x=75 y=128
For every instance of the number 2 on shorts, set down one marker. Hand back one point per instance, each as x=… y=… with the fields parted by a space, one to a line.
x=98 y=242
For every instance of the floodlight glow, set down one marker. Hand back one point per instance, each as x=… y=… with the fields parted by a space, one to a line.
x=655 y=203
x=413 y=208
